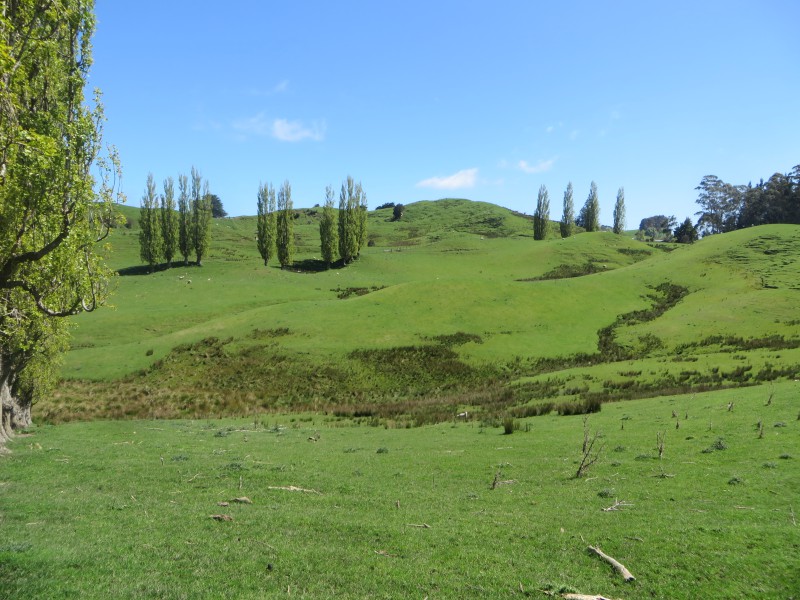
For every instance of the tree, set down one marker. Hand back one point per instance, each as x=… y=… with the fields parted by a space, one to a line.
x=657 y=227
x=265 y=222
x=201 y=217
x=568 y=217
x=541 y=217
x=589 y=217
x=150 y=241
x=363 y=211
x=285 y=226
x=169 y=221
x=328 y=229
x=686 y=233
x=217 y=211
x=619 y=212
x=720 y=203
x=184 y=219
x=397 y=212
x=52 y=211
x=349 y=203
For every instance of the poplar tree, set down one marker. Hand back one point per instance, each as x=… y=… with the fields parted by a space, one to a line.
x=350 y=224
x=201 y=217
x=619 y=212
x=363 y=211
x=568 y=217
x=590 y=213
x=328 y=233
x=285 y=226
x=184 y=219
x=150 y=243
x=169 y=221
x=265 y=223
x=541 y=217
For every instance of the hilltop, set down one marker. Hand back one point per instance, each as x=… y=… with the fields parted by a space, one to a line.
x=455 y=306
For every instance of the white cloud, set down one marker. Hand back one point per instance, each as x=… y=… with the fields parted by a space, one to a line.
x=296 y=131
x=463 y=179
x=540 y=167
x=281 y=129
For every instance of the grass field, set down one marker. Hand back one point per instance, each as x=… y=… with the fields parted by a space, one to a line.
x=328 y=399
x=124 y=509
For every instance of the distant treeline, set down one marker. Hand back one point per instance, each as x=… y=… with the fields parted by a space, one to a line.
x=726 y=207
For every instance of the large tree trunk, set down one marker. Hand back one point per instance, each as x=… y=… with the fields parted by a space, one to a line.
x=15 y=412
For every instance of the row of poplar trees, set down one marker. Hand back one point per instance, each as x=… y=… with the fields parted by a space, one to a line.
x=164 y=231
x=342 y=234
x=588 y=218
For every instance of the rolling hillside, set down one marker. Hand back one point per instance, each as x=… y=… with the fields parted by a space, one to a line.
x=455 y=304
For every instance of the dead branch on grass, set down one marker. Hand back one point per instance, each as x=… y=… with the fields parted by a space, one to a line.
x=421 y=525
x=618 y=566
x=571 y=596
x=618 y=505
x=293 y=488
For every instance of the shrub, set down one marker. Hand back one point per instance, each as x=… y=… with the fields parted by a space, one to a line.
x=508 y=426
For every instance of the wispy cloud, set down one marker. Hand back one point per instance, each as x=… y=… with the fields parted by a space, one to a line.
x=540 y=167
x=281 y=129
x=279 y=88
x=465 y=178
x=296 y=131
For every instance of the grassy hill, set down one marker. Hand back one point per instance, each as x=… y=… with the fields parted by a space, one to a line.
x=456 y=303
x=316 y=484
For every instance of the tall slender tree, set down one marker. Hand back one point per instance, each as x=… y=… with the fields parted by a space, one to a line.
x=363 y=213
x=201 y=216
x=568 y=216
x=52 y=210
x=350 y=201
x=285 y=226
x=184 y=219
x=328 y=229
x=541 y=216
x=169 y=221
x=265 y=222
x=150 y=241
x=619 y=212
x=589 y=217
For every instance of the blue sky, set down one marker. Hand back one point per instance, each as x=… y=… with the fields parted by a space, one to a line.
x=434 y=99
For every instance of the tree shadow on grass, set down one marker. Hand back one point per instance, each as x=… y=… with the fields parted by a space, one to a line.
x=309 y=265
x=145 y=269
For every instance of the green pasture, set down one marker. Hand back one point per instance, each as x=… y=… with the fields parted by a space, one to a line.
x=340 y=509
x=536 y=321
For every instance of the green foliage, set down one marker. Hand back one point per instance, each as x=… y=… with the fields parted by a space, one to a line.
x=266 y=222
x=619 y=212
x=541 y=216
x=686 y=232
x=151 y=243
x=201 y=216
x=52 y=210
x=568 y=215
x=397 y=211
x=328 y=229
x=169 y=221
x=589 y=217
x=185 y=244
x=217 y=210
x=352 y=220
x=285 y=226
